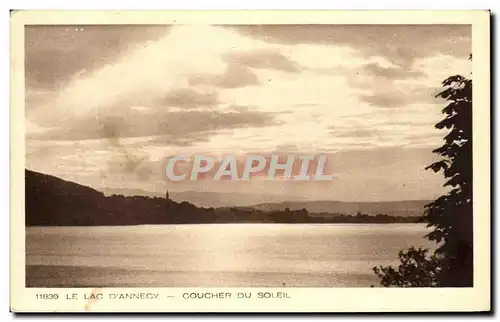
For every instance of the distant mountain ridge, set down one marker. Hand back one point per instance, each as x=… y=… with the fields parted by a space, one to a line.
x=406 y=208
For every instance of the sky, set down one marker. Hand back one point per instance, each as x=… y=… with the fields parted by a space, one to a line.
x=107 y=105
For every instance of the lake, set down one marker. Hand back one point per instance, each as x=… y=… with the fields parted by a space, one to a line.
x=216 y=255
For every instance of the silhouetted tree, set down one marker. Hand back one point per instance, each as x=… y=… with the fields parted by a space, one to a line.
x=415 y=270
x=450 y=215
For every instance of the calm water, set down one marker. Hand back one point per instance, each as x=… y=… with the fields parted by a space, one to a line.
x=215 y=255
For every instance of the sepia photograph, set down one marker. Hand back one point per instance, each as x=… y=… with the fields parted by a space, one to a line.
x=214 y=155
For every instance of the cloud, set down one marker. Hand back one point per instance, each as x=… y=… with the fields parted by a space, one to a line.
x=390 y=72
x=235 y=75
x=356 y=133
x=188 y=98
x=264 y=59
x=399 y=87
x=388 y=99
x=54 y=54
x=178 y=126
x=402 y=95
x=405 y=133
x=400 y=43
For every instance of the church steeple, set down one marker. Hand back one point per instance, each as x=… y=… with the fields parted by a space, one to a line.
x=167 y=195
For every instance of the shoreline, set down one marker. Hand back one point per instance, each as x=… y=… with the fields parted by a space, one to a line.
x=240 y=223
x=98 y=277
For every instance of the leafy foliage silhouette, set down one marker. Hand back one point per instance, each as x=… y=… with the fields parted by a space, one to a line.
x=416 y=269
x=450 y=215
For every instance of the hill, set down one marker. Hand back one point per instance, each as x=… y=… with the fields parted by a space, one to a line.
x=404 y=208
x=51 y=201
